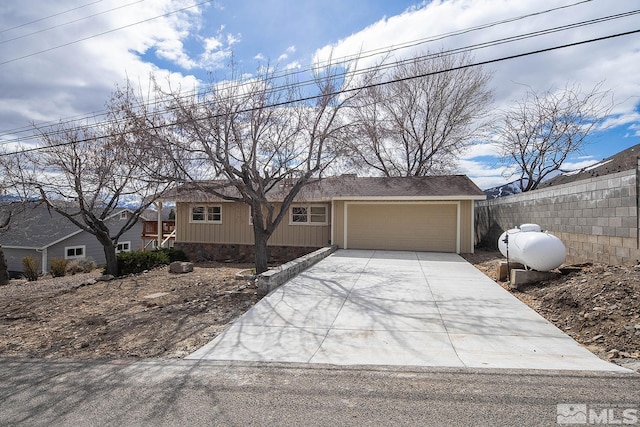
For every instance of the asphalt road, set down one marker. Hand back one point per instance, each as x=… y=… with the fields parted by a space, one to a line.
x=195 y=393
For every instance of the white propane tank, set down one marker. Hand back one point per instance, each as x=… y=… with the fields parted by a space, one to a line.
x=529 y=246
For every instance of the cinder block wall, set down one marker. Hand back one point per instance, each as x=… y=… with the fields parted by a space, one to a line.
x=596 y=218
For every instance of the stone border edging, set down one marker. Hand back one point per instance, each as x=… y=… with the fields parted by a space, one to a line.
x=271 y=279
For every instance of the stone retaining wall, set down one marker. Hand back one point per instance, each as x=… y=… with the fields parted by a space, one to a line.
x=269 y=280
x=596 y=218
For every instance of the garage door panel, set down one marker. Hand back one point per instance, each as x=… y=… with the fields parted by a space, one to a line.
x=419 y=227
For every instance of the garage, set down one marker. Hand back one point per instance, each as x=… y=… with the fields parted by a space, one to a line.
x=402 y=226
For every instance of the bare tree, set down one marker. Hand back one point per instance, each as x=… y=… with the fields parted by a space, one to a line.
x=256 y=140
x=542 y=130
x=85 y=172
x=415 y=119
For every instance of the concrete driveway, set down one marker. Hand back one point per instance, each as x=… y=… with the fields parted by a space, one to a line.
x=365 y=307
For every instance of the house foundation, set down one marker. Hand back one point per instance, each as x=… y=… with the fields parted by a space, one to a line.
x=221 y=252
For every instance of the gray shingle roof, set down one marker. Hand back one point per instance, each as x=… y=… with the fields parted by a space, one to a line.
x=38 y=227
x=349 y=186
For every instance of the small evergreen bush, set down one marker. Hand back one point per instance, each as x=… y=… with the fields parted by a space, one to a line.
x=174 y=254
x=58 y=267
x=137 y=262
x=30 y=268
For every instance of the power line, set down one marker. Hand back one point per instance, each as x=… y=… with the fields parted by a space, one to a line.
x=70 y=22
x=104 y=32
x=366 y=70
x=443 y=36
x=384 y=67
x=313 y=97
x=48 y=17
x=379 y=51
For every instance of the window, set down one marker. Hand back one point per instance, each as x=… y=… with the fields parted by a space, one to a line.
x=309 y=215
x=318 y=214
x=123 y=215
x=123 y=247
x=74 y=252
x=211 y=214
x=299 y=214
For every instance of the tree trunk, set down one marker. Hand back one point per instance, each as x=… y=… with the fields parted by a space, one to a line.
x=262 y=253
x=109 y=255
x=4 y=273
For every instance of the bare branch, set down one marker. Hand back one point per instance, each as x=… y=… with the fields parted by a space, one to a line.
x=540 y=131
x=415 y=126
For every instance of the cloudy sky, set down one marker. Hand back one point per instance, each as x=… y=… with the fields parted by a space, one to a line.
x=62 y=59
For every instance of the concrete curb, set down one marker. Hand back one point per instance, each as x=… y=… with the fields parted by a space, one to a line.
x=270 y=280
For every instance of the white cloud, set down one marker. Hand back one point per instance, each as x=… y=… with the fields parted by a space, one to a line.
x=485 y=175
x=77 y=79
x=631 y=118
x=289 y=51
x=634 y=130
x=481 y=150
x=295 y=65
x=233 y=39
x=211 y=43
x=612 y=61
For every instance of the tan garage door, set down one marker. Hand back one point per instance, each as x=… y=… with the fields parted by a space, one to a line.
x=414 y=227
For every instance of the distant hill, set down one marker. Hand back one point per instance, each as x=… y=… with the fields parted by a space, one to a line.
x=503 y=190
x=622 y=161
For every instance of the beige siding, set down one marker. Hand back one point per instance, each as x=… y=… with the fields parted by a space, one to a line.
x=398 y=226
x=466 y=229
x=236 y=228
x=399 y=214
x=409 y=225
x=338 y=223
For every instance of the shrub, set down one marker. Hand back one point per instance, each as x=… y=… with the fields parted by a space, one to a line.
x=73 y=267
x=137 y=262
x=87 y=265
x=174 y=254
x=58 y=267
x=30 y=268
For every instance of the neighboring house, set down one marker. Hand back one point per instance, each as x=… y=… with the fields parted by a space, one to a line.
x=45 y=235
x=433 y=213
x=154 y=222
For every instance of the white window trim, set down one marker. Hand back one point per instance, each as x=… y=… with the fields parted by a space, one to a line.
x=205 y=221
x=308 y=222
x=123 y=215
x=84 y=252
x=123 y=250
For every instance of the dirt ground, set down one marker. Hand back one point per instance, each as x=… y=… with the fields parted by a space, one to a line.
x=598 y=305
x=152 y=315
x=163 y=315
